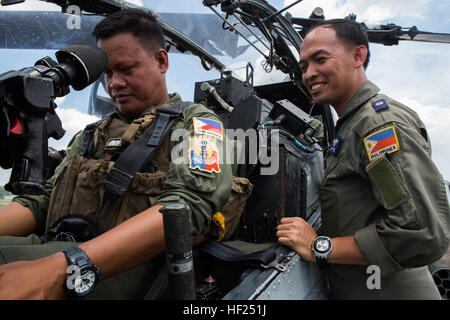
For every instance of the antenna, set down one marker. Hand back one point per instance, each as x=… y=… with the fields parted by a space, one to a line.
x=282 y=10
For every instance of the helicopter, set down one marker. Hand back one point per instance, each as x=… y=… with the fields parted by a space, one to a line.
x=259 y=92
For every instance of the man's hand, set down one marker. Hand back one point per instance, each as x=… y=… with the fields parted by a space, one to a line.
x=297 y=234
x=39 y=279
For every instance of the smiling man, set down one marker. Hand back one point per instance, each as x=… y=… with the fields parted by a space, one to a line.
x=384 y=202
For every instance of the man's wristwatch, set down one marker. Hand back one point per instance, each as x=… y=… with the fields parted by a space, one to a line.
x=322 y=246
x=82 y=274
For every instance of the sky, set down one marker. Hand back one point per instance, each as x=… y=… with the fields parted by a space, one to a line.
x=414 y=73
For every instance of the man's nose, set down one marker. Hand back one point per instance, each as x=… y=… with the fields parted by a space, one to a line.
x=116 y=81
x=309 y=74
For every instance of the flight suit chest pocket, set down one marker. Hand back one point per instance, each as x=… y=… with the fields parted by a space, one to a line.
x=337 y=157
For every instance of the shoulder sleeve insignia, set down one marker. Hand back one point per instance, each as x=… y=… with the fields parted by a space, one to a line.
x=381 y=142
x=380 y=105
x=209 y=127
x=204 y=153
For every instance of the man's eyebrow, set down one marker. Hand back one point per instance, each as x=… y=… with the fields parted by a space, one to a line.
x=315 y=54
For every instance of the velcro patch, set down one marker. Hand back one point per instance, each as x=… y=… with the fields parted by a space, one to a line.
x=204 y=153
x=383 y=175
x=381 y=142
x=380 y=105
x=209 y=127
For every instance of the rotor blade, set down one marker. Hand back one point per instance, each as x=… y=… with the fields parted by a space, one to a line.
x=428 y=37
x=391 y=34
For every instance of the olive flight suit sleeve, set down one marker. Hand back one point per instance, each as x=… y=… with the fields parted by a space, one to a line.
x=414 y=228
x=38 y=204
x=203 y=181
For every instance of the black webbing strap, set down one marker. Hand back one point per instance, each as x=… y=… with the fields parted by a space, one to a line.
x=223 y=252
x=137 y=155
x=88 y=139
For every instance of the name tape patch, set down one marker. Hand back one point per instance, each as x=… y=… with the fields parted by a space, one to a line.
x=381 y=142
x=208 y=127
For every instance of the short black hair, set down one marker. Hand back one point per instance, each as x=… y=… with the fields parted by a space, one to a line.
x=348 y=31
x=142 y=23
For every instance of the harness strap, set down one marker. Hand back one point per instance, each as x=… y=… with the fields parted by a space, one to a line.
x=88 y=139
x=137 y=155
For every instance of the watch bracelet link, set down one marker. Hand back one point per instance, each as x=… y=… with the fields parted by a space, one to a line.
x=76 y=256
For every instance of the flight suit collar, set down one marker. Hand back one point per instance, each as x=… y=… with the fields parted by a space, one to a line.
x=173 y=97
x=364 y=93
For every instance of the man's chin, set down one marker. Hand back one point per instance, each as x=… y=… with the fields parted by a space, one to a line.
x=130 y=110
x=319 y=99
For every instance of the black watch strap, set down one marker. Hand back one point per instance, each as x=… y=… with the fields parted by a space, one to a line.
x=76 y=256
x=322 y=262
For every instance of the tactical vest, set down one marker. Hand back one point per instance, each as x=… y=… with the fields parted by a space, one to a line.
x=78 y=185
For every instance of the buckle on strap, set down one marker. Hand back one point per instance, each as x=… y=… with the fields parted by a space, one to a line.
x=116 y=184
x=280 y=262
x=108 y=201
x=117 y=181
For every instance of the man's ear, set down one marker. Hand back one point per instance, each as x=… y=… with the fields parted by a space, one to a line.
x=360 y=55
x=162 y=57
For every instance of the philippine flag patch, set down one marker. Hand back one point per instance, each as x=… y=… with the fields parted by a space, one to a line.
x=381 y=142
x=208 y=127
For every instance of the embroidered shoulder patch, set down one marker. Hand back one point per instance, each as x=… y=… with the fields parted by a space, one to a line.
x=204 y=153
x=380 y=105
x=209 y=127
x=381 y=142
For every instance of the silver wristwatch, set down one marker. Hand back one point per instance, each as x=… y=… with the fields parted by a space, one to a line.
x=322 y=246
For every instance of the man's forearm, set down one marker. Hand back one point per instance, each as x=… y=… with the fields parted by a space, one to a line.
x=16 y=220
x=129 y=244
x=346 y=251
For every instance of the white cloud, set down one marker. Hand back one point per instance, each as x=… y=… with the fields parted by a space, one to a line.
x=32 y=5
x=436 y=119
x=136 y=2
x=72 y=121
x=368 y=11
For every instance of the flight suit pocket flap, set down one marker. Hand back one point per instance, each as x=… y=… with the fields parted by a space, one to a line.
x=385 y=179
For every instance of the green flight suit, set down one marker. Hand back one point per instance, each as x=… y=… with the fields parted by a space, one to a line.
x=205 y=192
x=382 y=187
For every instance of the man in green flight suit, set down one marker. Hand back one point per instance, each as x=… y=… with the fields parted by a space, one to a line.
x=132 y=233
x=385 y=212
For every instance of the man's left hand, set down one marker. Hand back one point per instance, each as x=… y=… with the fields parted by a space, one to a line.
x=39 y=279
x=297 y=234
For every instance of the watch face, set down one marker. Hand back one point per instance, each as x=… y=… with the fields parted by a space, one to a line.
x=322 y=245
x=84 y=282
